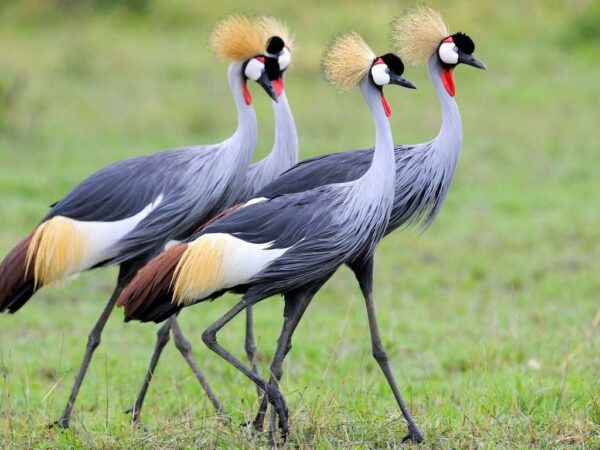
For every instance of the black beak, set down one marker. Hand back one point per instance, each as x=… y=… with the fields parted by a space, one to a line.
x=267 y=86
x=471 y=61
x=401 y=81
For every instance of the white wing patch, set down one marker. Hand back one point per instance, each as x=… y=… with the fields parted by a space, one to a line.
x=242 y=260
x=104 y=235
x=62 y=247
x=218 y=261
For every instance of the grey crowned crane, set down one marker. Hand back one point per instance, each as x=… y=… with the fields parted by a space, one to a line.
x=127 y=212
x=286 y=244
x=283 y=155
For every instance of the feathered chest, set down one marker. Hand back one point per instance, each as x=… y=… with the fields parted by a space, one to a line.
x=423 y=176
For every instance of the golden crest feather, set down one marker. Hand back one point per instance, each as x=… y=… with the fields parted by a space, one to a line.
x=346 y=60
x=274 y=27
x=418 y=33
x=237 y=38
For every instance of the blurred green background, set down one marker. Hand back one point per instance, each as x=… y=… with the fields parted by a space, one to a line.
x=491 y=317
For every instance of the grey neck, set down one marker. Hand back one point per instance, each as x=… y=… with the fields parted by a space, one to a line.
x=430 y=173
x=449 y=138
x=284 y=153
x=383 y=166
x=243 y=141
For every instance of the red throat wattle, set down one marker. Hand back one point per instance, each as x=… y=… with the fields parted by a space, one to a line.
x=386 y=105
x=277 y=86
x=448 y=80
x=247 y=95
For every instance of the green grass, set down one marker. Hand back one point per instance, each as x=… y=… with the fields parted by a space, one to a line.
x=491 y=317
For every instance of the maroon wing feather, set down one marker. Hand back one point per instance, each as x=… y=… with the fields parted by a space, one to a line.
x=16 y=284
x=151 y=286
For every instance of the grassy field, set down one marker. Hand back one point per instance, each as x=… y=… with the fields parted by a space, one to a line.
x=491 y=318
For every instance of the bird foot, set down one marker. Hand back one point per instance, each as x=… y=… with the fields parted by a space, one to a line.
x=62 y=423
x=254 y=424
x=276 y=399
x=414 y=434
x=135 y=418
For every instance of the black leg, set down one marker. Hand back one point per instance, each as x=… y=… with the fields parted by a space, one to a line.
x=126 y=272
x=162 y=338
x=295 y=306
x=185 y=348
x=92 y=344
x=249 y=344
x=364 y=274
x=210 y=339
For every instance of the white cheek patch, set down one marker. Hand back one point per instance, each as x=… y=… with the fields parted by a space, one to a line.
x=380 y=74
x=447 y=53
x=284 y=59
x=254 y=69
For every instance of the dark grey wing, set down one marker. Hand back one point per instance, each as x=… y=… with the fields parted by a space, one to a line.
x=411 y=203
x=283 y=220
x=194 y=195
x=127 y=187
x=122 y=189
x=319 y=171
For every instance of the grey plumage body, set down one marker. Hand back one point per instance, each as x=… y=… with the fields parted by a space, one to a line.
x=193 y=184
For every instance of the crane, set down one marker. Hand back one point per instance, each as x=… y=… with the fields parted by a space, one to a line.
x=127 y=212
x=283 y=155
x=423 y=171
x=286 y=244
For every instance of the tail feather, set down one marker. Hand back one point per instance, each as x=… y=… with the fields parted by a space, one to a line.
x=17 y=283
x=151 y=289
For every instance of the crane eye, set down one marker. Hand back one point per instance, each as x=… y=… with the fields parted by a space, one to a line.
x=448 y=53
x=254 y=69
x=380 y=74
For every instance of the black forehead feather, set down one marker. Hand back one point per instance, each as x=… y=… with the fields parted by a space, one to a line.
x=394 y=63
x=464 y=42
x=274 y=45
x=272 y=68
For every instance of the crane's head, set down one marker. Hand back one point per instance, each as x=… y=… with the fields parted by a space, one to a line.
x=421 y=34
x=280 y=57
x=268 y=69
x=388 y=69
x=241 y=39
x=279 y=45
x=348 y=60
x=262 y=69
x=452 y=51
